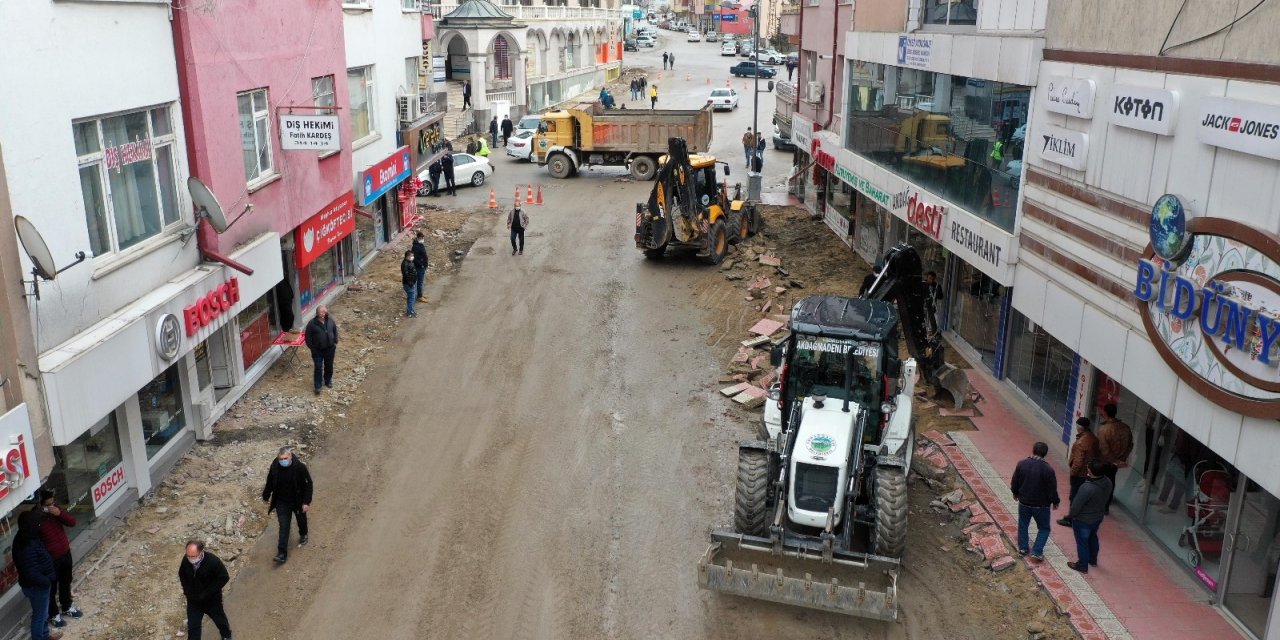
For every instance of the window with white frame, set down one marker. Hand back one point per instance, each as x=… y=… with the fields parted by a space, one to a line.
x=410 y=5
x=322 y=92
x=255 y=135
x=127 y=177
x=412 y=67
x=360 y=88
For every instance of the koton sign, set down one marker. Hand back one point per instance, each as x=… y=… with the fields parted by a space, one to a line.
x=309 y=133
x=211 y=305
x=109 y=485
x=1069 y=96
x=381 y=177
x=1150 y=110
x=1247 y=127
x=326 y=229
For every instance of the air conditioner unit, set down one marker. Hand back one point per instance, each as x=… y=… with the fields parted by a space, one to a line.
x=813 y=92
x=405 y=106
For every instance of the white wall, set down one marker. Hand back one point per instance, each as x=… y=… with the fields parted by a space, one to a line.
x=383 y=37
x=62 y=61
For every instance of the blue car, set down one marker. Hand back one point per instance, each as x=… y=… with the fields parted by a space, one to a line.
x=751 y=68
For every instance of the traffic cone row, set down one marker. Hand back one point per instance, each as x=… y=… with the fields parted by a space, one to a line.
x=493 y=198
x=529 y=195
x=539 y=200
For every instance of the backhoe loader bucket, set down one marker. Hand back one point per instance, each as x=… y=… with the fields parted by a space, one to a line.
x=955 y=382
x=765 y=576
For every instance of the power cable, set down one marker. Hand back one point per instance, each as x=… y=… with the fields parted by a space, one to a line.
x=1213 y=33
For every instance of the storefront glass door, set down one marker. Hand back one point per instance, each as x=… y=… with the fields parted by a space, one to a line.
x=1251 y=580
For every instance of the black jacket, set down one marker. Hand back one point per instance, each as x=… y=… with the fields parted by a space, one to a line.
x=507 y=128
x=1091 y=501
x=408 y=273
x=203 y=584
x=493 y=127
x=419 y=254
x=322 y=335
x=1034 y=483
x=34 y=564
x=291 y=484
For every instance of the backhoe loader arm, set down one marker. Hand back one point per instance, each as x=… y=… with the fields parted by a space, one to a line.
x=900 y=281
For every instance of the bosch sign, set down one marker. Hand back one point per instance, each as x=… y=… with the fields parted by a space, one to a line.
x=213 y=304
x=109 y=485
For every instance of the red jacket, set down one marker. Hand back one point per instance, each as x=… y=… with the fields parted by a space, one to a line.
x=53 y=532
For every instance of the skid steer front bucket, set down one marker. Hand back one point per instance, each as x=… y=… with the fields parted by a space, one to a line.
x=764 y=578
x=955 y=382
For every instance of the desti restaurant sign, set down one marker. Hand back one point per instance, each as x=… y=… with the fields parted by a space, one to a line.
x=381 y=177
x=1208 y=291
x=17 y=462
x=1150 y=110
x=326 y=229
x=1247 y=127
x=1062 y=146
x=309 y=133
x=1069 y=96
x=925 y=216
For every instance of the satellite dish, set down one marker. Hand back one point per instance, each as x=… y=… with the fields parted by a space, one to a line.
x=207 y=205
x=33 y=243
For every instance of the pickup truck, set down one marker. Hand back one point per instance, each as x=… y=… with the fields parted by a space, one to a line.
x=750 y=68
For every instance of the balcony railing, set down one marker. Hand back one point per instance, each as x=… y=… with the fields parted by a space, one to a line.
x=536 y=11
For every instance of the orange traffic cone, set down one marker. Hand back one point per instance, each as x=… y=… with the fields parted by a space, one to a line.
x=728 y=83
x=539 y=200
x=708 y=80
x=529 y=195
x=517 y=194
x=688 y=77
x=493 y=198
x=744 y=85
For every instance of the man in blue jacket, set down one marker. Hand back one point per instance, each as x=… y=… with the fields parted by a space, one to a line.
x=1035 y=487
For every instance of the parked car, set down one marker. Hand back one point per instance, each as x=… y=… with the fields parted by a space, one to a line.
x=694 y=36
x=520 y=144
x=712 y=37
x=727 y=49
x=528 y=123
x=630 y=45
x=769 y=56
x=723 y=99
x=780 y=142
x=467 y=169
x=752 y=68
x=646 y=41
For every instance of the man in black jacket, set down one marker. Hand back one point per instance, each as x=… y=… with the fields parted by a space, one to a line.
x=36 y=573
x=409 y=278
x=446 y=170
x=507 y=128
x=1087 y=510
x=322 y=340
x=1035 y=487
x=288 y=491
x=203 y=576
x=420 y=264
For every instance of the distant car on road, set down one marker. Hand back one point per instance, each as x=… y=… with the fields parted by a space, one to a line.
x=646 y=41
x=520 y=144
x=727 y=49
x=630 y=45
x=769 y=56
x=780 y=142
x=694 y=36
x=726 y=99
x=713 y=37
x=751 y=68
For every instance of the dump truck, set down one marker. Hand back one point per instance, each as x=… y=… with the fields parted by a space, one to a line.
x=587 y=135
x=688 y=207
x=820 y=504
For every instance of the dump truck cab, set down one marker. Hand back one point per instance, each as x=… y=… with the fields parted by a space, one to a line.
x=558 y=129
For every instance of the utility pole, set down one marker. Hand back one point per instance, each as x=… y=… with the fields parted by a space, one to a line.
x=754 y=178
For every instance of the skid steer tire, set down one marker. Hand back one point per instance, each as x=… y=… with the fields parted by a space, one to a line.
x=718 y=240
x=560 y=166
x=891 y=512
x=751 y=497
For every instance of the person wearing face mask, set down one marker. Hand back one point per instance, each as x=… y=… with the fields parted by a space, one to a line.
x=203 y=576
x=288 y=492
x=36 y=573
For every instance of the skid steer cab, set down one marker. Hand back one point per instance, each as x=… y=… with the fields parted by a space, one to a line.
x=689 y=208
x=820 y=516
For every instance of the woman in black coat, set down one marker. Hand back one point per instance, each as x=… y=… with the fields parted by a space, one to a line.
x=36 y=573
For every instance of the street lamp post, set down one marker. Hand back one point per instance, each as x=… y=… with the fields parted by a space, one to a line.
x=754 y=177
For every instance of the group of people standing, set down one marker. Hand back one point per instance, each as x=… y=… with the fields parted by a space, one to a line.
x=413 y=274
x=753 y=146
x=668 y=60
x=640 y=86
x=42 y=556
x=506 y=127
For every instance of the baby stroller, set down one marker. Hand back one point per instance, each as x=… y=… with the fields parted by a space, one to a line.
x=1207 y=509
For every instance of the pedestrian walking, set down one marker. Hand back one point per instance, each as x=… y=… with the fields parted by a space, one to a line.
x=1087 y=511
x=1083 y=451
x=1035 y=487
x=493 y=132
x=760 y=147
x=466 y=94
x=653 y=96
x=1115 y=443
x=672 y=61
x=36 y=574
x=664 y=60
x=322 y=340
x=791 y=68
x=933 y=293
x=434 y=171
x=409 y=279
x=420 y=264
x=517 y=222
x=635 y=88
x=54 y=521
x=748 y=146
x=507 y=127
x=288 y=492
x=203 y=576
x=644 y=83
x=446 y=170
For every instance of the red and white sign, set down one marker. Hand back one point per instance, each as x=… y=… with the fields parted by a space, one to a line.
x=326 y=229
x=381 y=177
x=114 y=481
x=925 y=217
x=126 y=154
x=17 y=461
x=205 y=310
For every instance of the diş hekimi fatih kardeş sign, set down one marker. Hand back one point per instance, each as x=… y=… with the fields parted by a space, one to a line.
x=309 y=133
x=915 y=51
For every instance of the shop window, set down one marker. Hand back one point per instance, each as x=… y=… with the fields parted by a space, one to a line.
x=8 y=527
x=360 y=90
x=80 y=465
x=204 y=370
x=869 y=231
x=127 y=171
x=162 y=413
x=951 y=12
x=840 y=204
x=975 y=310
x=1039 y=366
x=318 y=277
x=366 y=235
x=959 y=137
x=255 y=329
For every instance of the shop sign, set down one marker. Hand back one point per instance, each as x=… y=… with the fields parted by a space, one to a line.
x=1150 y=110
x=915 y=51
x=1069 y=96
x=838 y=224
x=21 y=477
x=168 y=339
x=381 y=177
x=211 y=305
x=1247 y=127
x=1208 y=292
x=801 y=131
x=309 y=133
x=864 y=186
x=126 y=154
x=1063 y=146
x=926 y=217
x=1081 y=385
x=111 y=483
x=326 y=229
x=973 y=245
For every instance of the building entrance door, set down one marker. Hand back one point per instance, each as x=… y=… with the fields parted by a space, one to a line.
x=1249 y=585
